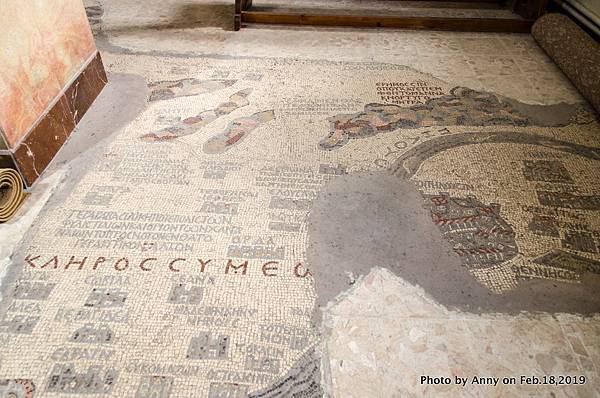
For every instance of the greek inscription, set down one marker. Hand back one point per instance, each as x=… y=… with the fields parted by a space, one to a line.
x=68 y=315
x=66 y=354
x=289 y=204
x=407 y=93
x=284 y=227
x=334 y=170
x=150 y=165
x=219 y=207
x=316 y=106
x=218 y=170
x=153 y=368
x=443 y=186
x=237 y=377
x=108 y=280
x=111 y=297
x=574 y=262
x=95 y=198
x=262 y=364
x=528 y=271
x=26 y=307
x=264 y=252
x=283 y=335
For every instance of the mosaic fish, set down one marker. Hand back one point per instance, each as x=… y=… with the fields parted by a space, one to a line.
x=168 y=89
x=191 y=124
x=236 y=131
x=462 y=107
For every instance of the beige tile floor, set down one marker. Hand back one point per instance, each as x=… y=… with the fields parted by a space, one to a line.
x=415 y=336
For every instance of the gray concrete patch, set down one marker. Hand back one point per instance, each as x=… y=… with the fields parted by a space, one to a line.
x=362 y=221
x=550 y=115
x=121 y=101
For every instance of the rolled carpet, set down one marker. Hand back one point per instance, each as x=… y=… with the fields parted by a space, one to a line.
x=575 y=52
x=11 y=193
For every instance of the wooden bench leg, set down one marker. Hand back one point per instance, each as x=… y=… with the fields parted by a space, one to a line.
x=240 y=7
x=237 y=16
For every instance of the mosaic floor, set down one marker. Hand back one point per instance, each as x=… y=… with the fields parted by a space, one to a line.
x=301 y=227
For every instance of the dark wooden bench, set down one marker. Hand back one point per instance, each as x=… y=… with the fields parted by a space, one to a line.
x=525 y=13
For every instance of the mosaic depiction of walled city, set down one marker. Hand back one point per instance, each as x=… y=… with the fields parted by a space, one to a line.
x=177 y=265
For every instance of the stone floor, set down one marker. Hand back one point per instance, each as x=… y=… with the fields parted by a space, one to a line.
x=309 y=212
